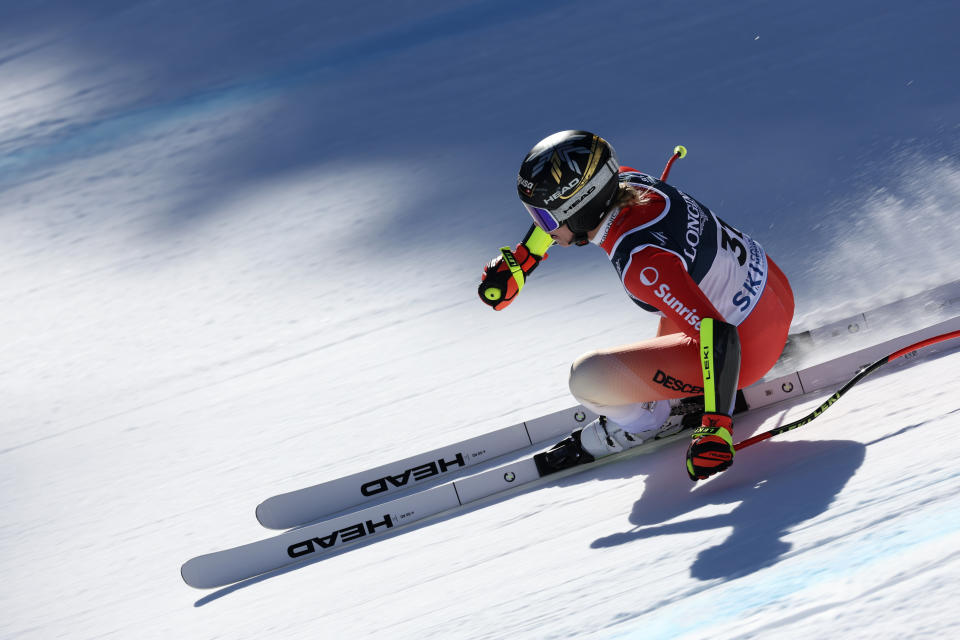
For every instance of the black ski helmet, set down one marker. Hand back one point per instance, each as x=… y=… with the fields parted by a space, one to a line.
x=570 y=177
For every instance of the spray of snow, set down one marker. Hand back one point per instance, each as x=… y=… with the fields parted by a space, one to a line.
x=901 y=239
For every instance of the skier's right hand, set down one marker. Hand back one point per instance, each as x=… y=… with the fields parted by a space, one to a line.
x=499 y=286
x=711 y=450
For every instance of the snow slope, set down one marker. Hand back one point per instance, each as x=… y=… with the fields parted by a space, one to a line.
x=240 y=248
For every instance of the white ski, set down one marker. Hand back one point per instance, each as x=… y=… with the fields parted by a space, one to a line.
x=314 y=541
x=419 y=472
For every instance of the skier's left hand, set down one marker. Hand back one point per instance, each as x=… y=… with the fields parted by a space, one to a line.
x=712 y=448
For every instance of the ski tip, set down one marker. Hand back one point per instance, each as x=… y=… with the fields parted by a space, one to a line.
x=207 y=572
x=190 y=576
x=263 y=514
x=270 y=517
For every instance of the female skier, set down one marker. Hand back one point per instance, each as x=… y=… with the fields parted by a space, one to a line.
x=726 y=307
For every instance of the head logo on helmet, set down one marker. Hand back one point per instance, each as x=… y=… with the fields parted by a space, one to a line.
x=564 y=165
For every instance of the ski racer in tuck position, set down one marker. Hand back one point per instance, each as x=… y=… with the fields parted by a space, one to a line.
x=726 y=307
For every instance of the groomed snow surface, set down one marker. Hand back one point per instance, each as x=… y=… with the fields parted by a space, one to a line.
x=241 y=243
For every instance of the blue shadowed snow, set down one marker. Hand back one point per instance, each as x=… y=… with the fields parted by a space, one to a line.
x=795 y=116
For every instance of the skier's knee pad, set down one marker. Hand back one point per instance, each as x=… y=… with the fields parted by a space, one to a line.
x=596 y=377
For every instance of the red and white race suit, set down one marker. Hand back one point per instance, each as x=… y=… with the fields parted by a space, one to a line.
x=676 y=257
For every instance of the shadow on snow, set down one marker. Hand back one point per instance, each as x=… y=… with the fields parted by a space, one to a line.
x=790 y=483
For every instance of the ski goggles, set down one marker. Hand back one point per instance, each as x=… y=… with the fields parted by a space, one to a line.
x=549 y=220
x=543 y=218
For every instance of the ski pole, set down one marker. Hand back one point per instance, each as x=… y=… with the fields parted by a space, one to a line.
x=679 y=151
x=857 y=378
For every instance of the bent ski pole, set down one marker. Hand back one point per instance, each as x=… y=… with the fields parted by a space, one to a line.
x=857 y=378
x=679 y=151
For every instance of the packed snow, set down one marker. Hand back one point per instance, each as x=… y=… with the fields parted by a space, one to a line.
x=241 y=244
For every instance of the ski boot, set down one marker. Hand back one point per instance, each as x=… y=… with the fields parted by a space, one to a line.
x=602 y=438
x=685 y=414
x=598 y=439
